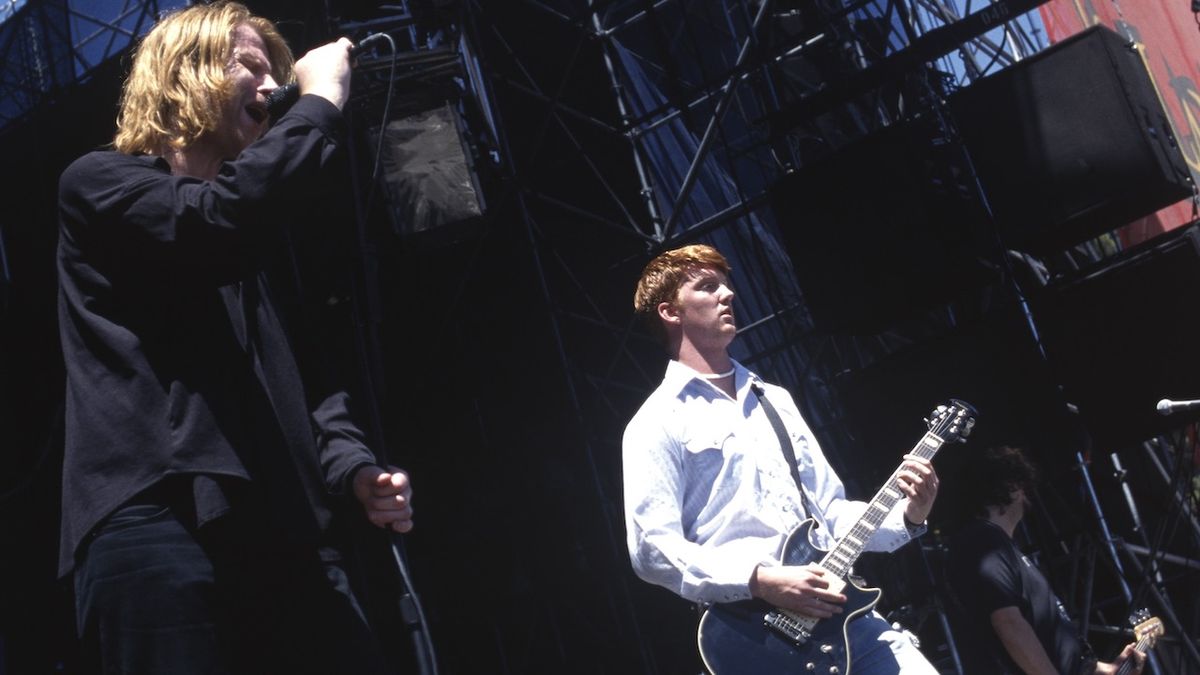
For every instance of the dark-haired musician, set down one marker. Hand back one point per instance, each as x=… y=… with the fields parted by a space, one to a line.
x=1012 y=622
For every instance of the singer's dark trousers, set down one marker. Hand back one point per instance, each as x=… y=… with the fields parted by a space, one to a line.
x=154 y=596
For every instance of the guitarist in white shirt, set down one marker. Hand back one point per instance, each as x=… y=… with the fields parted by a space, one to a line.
x=709 y=500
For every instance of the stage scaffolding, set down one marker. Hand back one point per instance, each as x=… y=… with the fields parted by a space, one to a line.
x=47 y=46
x=622 y=128
x=694 y=87
x=705 y=106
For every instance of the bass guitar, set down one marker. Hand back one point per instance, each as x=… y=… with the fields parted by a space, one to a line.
x=753 y=637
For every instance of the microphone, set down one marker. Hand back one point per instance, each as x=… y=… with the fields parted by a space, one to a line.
x=281 y=99
x=1168 y=407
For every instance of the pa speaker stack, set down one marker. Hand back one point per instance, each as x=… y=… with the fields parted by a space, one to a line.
x=1071 y=142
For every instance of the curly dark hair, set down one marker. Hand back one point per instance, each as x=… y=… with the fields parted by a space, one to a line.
x=991 y=479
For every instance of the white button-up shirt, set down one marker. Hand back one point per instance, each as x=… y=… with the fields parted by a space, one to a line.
x=709 y=496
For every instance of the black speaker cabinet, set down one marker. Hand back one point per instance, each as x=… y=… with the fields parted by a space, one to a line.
x=1071 y=142
x=875 y=234
x=429 y=176
x=1123 y=336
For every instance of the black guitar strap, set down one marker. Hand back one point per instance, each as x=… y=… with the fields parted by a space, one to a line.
x=785 y=444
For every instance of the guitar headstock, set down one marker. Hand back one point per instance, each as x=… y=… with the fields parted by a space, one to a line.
x=952 y=423
x=1146 y=627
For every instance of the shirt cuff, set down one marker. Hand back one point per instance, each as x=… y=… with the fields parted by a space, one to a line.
x=347 y=481
x=914 y=529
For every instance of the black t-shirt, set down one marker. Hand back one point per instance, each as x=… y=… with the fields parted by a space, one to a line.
x=985 y=572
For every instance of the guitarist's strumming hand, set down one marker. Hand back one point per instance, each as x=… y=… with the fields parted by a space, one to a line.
x=919 y=482
x=803 y=589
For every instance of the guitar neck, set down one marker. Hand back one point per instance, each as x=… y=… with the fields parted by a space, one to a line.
x=845 y=553
x=1142 y=645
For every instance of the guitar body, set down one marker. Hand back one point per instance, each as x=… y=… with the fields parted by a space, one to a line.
x=734 y=638
x=752 y=637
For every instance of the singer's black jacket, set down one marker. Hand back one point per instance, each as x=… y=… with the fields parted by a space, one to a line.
x=177 y=362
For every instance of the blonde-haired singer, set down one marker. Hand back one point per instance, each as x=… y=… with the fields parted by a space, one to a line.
x=201 y=472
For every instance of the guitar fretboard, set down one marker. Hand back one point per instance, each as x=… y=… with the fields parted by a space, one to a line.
x=842 y=557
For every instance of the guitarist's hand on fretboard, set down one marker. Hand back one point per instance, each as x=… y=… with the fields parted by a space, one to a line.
x=1147 y=629
x=919 y=482
x=1130 y=652
x=807 y=589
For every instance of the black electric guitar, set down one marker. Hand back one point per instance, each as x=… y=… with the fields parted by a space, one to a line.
x=1146 y=629
x=754 y=637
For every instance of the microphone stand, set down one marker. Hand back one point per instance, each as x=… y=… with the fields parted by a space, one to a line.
x=1109 y=542
x=939 y=602
x=1177 y=494
x=1121 y=474
x=365 y=287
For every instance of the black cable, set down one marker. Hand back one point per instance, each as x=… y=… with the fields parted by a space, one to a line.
x=387 y=108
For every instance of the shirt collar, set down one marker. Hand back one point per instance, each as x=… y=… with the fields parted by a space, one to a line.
x=678 y=377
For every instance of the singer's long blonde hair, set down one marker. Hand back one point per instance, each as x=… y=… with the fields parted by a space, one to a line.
x=177 y=85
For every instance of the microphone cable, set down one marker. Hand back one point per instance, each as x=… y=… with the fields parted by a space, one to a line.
x=387 y=108
x=278 y=102
x=282 y=98
x=411 y=611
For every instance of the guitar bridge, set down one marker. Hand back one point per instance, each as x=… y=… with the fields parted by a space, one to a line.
x=795 y=628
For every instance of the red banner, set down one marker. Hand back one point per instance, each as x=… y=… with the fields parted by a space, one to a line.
x=1168 y=39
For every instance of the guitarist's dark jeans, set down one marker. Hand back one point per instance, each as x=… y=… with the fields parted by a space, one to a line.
x=876 y=648
x=152 y=596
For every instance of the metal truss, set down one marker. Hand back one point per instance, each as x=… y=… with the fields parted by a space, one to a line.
x=8 y=8
x=987 y=53
x=48 y=45
x=705 y=81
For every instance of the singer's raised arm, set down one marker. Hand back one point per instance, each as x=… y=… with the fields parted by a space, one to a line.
x=131 y=208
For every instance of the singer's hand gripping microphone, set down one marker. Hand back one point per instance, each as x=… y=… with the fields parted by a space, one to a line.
x=282 y=98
